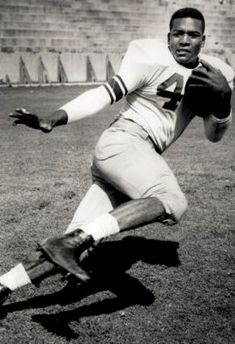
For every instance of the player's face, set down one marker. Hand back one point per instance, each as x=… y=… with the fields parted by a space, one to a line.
x=185 y=40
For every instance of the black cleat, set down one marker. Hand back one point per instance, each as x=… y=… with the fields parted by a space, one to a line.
x=4 y=293
x=65 y=250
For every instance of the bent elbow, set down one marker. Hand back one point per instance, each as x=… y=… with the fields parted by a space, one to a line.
x=215 y=128
x=214 y=138
x=217 y=134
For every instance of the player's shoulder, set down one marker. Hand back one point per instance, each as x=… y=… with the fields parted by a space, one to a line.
x=216 y=62
x=150 y=51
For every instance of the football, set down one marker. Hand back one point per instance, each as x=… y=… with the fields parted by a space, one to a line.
x=198 y=98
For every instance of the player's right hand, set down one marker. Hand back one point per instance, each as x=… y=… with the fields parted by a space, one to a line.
x=23 y=116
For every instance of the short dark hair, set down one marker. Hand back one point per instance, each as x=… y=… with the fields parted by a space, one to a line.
x=188 y=12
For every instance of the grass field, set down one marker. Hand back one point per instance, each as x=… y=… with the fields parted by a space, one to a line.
x=155 y=285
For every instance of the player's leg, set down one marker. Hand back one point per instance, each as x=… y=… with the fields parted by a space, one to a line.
x=100 y=199
x=126 y=158
x=32 y=270
x=142 y=174
x=129 y=163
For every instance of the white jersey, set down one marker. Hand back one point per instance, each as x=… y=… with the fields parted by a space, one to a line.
x=153 y=83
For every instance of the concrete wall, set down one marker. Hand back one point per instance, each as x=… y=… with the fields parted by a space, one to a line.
x=51 y=41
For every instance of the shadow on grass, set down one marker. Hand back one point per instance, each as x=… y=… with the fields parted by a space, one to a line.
x=108 y=264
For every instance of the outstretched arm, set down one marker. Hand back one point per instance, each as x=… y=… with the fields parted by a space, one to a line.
x=86 y=104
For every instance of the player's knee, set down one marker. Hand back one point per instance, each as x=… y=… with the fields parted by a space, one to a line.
x=181 y=207
x=175 y=205
x=178 y=206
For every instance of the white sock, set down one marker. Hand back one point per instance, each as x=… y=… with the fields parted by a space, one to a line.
x=102 y=227
x=15 y=278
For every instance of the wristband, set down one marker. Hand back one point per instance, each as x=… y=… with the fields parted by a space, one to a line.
x=221 y=120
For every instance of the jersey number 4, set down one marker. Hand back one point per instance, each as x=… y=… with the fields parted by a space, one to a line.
x=174 y=97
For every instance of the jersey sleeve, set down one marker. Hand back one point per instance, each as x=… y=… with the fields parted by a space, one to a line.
x=131 y=75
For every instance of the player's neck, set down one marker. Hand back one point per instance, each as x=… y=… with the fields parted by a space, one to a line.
x=190 y=65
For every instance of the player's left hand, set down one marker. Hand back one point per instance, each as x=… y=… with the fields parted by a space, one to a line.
x=23 y=116
x=211 y=82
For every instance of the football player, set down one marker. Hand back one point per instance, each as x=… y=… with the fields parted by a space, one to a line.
x=165 y=86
